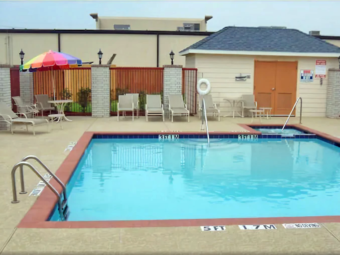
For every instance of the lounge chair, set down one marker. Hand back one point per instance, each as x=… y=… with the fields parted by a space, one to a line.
x=135 y=98
x=125 y=104
x=154 y=106
x=42 y=104
x=11 y=118
x=248 y=103
x=211 y=108
x=177 y=107
x=23 y=108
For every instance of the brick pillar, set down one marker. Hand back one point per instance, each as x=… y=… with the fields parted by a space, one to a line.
x=26 y=87
x=333 y=94
x=100 y=91
x=5 y=91
x=172 y=84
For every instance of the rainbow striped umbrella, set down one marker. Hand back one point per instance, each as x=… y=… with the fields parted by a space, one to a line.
x=51 y=60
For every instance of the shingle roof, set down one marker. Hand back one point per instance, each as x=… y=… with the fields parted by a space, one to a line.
x=263 y=39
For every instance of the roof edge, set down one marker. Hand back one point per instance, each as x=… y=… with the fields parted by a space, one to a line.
x=99 y=31
x=261 y=53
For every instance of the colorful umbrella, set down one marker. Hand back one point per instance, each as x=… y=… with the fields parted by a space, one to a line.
x=51 y=60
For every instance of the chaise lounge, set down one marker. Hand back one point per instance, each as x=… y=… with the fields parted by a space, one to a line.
x=11 y=118
x=177 y=107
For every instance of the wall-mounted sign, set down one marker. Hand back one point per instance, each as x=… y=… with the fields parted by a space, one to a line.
x=320 y=69
x=306 y=75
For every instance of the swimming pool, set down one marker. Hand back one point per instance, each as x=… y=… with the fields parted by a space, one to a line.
x=151 y=179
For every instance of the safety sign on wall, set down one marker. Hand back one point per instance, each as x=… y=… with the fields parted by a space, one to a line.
x=320 y=69
x=306 y=75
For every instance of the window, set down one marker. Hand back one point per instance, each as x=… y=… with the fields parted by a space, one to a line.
x=191 y=26
x=121 y=27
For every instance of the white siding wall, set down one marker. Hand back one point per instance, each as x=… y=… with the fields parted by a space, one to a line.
x=221 y=70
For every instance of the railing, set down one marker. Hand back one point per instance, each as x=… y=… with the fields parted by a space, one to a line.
x=300 y=98
x=204 y=113
x=62 y=203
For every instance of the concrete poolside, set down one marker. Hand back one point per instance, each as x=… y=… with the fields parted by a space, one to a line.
x=49 y=147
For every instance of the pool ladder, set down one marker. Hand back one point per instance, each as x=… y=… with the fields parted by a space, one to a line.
x=62 y=198
x=204 y=118
x=300 y=98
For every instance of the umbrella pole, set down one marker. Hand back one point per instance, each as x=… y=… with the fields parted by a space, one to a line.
x=53 y=84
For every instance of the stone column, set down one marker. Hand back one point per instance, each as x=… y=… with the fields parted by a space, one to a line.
x=26 y=87
x=5 y=91
x=172 y=83
x=100 y=91
x=333 y=94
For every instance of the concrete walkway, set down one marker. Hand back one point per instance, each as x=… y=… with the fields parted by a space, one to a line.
x=49 y=147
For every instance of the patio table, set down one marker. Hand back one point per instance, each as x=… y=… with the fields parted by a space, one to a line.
x=60 y=104
x=233 y=102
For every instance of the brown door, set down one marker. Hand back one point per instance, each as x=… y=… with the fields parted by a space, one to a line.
x=264 y=80
x=285 y=90
x=275 y=85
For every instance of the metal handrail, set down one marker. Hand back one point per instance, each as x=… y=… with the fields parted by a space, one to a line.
x=300 y=98
x=14 y=189
x=46 y=168
x=204 y=112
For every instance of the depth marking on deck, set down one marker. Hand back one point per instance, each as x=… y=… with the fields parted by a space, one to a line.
x=301 y=225
x=40 y=186
x=257 y=227
x=213 y=228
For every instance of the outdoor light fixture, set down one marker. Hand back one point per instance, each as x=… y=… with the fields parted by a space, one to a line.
x=100 y=55
x=172 y=57
x=22 y=54
x=339 y=61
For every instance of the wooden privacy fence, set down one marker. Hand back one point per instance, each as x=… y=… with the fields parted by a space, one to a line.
x=72 y=84
x=76 y=84
x=135 y=80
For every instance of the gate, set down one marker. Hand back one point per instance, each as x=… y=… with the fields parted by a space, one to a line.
x=15 y=84
x=189 y=82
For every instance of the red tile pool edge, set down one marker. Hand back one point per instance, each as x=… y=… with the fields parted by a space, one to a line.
x=38 y=214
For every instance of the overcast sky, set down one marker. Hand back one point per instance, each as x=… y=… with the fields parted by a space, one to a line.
x=305 y=16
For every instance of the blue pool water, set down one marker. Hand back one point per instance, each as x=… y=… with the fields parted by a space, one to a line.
x=288 y=131
x=150 y=179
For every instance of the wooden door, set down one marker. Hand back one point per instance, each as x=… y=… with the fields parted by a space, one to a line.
x=264 y=82
x=285 y=90
x=275 y=85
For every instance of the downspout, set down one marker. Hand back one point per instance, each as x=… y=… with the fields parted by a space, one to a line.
x=157 y=50
x=59 y=50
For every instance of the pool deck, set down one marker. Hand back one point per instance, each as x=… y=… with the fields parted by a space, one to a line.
x=49 y=147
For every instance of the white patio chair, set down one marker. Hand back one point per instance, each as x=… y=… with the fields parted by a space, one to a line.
x=12 y=119
x=154 y=106
x=25 y=109
x=211 y=108
x=42 y=104
x=125 y=104
x=177 y=107
x=248 y=103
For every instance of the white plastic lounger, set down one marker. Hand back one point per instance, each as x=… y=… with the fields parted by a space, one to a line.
x=23 y=108
x=177 y=107
x=211 y=108
x=154 y=106
x=11 y=118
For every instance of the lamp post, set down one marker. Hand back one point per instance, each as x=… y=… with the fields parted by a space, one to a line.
x=100 y=55
x=172 y=57
x=22 y=54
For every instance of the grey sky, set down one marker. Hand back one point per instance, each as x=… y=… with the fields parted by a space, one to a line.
x=305 y=16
